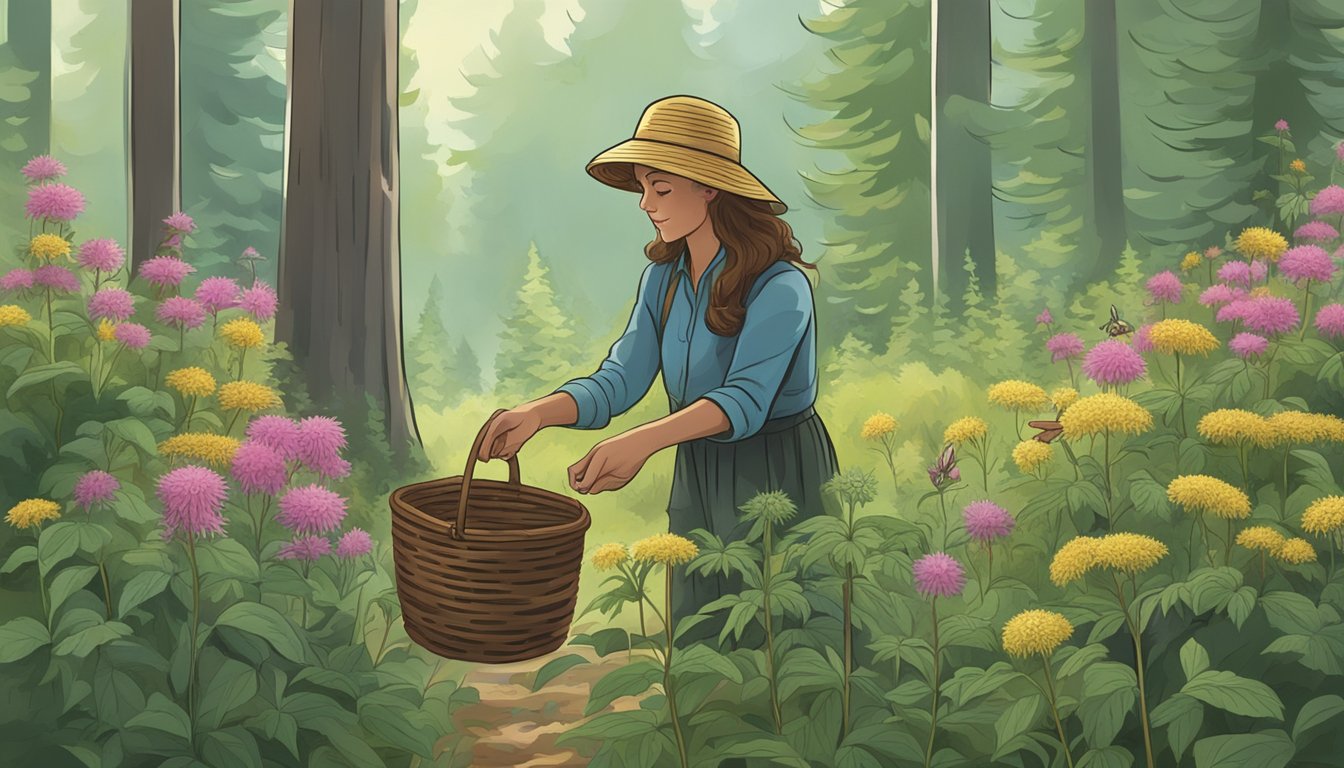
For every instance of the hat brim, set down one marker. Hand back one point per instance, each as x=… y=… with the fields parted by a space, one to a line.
x=613 y=167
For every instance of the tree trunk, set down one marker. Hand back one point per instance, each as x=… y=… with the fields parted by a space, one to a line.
x=340 y=274
x=1103 y=147
x=153 y=155
x=964 y=203
x=29 y=36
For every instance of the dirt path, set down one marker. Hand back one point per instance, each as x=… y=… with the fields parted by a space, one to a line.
x=513 y=727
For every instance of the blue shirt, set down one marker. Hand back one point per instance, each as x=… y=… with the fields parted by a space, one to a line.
x=767 y=371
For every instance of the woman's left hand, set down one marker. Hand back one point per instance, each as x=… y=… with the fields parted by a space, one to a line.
x=609 y=465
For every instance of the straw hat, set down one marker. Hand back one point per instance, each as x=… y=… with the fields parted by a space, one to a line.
x=690 y=137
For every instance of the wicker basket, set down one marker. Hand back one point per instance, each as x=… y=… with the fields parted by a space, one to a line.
x=499 y=587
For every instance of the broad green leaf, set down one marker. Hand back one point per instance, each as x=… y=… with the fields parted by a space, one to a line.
x=1264 y=749
x=802 y=669
x=83 y=642
x=631 y=679
x=1109 y=691
x=700 y=660
x=1315 y=712
x=556 y=667
x=133 y=430
x=1182 y=715
x=1291 y=613
x=398 y=722
x=1194 y=659
x=1240 y=605
x=613 y=726
x=20 y=637
x=19 y=557
x=1081 y=658
x=231 y=686
x=84 y=755
x=1016 y=720
x=231 y=748
x=1238 y=695
x=969 y=683
x=161 y=714
x=57 y=542
x=142 y=586
x=68 y=582
x=266 y=623
x=62 y=371
x=1107 y=757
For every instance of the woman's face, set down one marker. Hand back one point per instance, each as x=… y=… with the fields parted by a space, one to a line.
x=676 y=205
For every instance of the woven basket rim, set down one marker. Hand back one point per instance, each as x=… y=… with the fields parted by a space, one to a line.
x=579 y=524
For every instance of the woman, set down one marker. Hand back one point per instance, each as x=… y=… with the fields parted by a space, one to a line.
x=725 y=312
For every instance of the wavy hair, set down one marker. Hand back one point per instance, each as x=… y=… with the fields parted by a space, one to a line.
x=753 y=238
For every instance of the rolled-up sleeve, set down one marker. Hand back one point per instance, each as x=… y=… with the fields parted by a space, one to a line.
x=625 y=376
x=775 y=324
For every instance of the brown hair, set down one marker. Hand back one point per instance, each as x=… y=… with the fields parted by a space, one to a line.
x=753 y=238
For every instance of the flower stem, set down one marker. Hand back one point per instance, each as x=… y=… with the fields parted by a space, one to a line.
x=1054 y=710
x=933 y=722
x=1138 y=668
x=848 y=599
x=195 y=623
x=667 y=674
x=769 y=632
x=107 y=588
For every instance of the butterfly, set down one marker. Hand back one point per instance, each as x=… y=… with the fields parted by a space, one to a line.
x=1115 y=326
x=1049 y=430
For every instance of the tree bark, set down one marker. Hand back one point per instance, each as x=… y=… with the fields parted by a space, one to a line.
x=153 y=171
x=1103 y=146
x=965 y=202
x=340 y=277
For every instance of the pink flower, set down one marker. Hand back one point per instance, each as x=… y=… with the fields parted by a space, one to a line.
x=311 y=509
x=321 y=439
x=1271 y=314
x=1064 y=346
x=95 y=487
x=103 y=254
x=180 y=222
x=165 y=270
x=1237 y=309
x=331 y=467
x=1212 y=252
x=1142 y=342
x=1165 y=286
x=1044 y=318
x=1328 y=201
x=1330 y=321
x=259 y=300
x=1281 y=125
x=192 y=498
x=939 y=575
x=1246 y=345
x=217 y=293
x=1236 y=273
x=278 y=432
x=56 y=277
x=133 y=335
x=56 y=202
x=1220 y=293
x=1259 y=270
x=43 y=168
x=986 y=521
x=355 y=543
x=1319 y=231
x=304 y=548
x=250 y=254
x=181 y=312
x=16 y=280
x=259 y=468
x=1114 y=362
x=111 y=303
x=1307 y=262
x=1339 y=151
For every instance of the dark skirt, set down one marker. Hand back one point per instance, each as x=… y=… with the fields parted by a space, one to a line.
x=712 y=480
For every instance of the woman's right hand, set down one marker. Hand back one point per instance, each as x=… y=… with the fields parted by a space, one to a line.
x=508 y=432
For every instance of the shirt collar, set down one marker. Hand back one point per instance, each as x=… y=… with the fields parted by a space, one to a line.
x=683 y=264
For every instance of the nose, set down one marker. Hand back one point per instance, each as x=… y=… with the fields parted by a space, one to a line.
x=646 y=202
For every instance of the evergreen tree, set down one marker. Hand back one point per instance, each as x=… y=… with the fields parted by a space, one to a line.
x=428 y=360
x=910 y=325
x=424 y=207
x=233 y=114
x=1015 y=308
x=25 y=92
x=537 y=343
x=465 y=372
x=975 y=335
x=851 y=352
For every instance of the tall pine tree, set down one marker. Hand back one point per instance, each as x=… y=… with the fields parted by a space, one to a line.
x=537 y=347
x=428 y=354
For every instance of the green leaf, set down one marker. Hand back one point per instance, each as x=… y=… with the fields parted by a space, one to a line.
x=41 y=374
x=970 y=683
x=1080 y=659
x=228 y=557
x=1109 y=691
x=1194 y=659
x=1240 y=605
x=266 y=623
x=604 y=641
x=1265 y=749
x=230 y=748
x=20 y=637
x=278 y=726
x=141 y=587
x=399 y=722
x=143 y=402
x=1016 y=720
x=68 y=582
x=231 y=686
x=83 y=642
x=556 y=667
x=613 y=726
x=84 y=755
x=700 y=660
x=629 y=680
x=803 y=668
x=1182 y=715
x=1149 y=496
x=161 y=714
x=1238 y=695
x=1315 y=712
x=19 y=558
x=57 y=542
x=133 y=430
x=1291 y=613
x=1107 y=757
x=777 y=751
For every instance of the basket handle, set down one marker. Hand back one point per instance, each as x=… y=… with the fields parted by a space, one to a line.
x=460 y=528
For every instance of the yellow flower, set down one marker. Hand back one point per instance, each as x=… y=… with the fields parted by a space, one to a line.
x=964 y=429
x=1232 y=426
x=32 y=512
x=1324 y=515
x=1073 y=560
x=1129 y=552
x=1260 y=290
x=1299 y=427
x=1261 y=537
x=1296 y=552
x=107 y=330
x=214 y=449
x=1105 y=412
x=1063 y=398
x=247 y=396
x=1029 y=455
x=609 y=556
x=1191 y=260
x=242 y=333
x=11 y=314
x=1017 y=395
x=191 y=381
x=1178 y=336
x=49 y=247
x=1202 y=493
x=1334 y=428
x=878 y=425
x=666 y=548
x=1298 y=166
x=1035 y=631
x=1261 y=243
